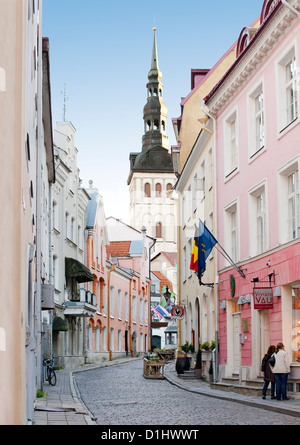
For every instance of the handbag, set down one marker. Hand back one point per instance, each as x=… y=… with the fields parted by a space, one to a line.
x=272 y=361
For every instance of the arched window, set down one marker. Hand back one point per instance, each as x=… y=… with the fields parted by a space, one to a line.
x=163 y=125
x=156 y=125
x=148 y=125
x=147 y=190
x=169 y=186
x=158 y=190
x=158 y=233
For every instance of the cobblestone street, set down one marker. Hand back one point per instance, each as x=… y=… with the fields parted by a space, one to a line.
x=120 y=395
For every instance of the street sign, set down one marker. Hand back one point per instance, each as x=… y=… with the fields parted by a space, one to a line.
x=263 y=298
x=177 y=312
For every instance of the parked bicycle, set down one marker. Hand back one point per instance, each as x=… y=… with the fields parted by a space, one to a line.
x=49 y=371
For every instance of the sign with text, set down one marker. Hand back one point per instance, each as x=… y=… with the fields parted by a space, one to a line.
x=263 y=298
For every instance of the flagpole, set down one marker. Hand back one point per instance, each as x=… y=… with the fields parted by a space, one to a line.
x=226 y=256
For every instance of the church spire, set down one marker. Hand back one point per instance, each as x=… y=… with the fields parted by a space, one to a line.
x=154 y=62
x=155 y=111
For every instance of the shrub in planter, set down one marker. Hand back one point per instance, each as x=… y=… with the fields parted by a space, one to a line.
x=198 y=366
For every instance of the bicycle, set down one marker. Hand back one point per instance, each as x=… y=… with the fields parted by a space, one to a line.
x=49 y=372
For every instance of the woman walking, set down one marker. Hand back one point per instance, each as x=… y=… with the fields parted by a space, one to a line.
x=281 y=369
x=268 y=374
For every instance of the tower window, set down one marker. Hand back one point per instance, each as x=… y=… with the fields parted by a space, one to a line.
x=148 y=125
x=163 y=125
x=147 y=190
x=156 y=125
x=158 y=230
x=158 y=190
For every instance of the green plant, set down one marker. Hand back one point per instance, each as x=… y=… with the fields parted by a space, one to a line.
x=40 y=394
x=212 y=345
x=204 y=345
x=187 y=347
x=198 y=360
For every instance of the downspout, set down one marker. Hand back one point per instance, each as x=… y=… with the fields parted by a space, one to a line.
x=294 y=10
x=149 y=306
x=113 y=267
x=216 y=285
x=129 y=327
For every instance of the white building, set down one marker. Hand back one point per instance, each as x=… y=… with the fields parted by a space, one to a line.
x=70 y=273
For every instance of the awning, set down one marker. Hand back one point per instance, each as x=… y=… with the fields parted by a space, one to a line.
x=77 y=270
x=244 y=299
x=59 y=324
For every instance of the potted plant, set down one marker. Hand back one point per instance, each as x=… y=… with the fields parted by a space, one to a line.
x=205 y=346
x=182 y=361
x=198 y=366
x=212 y=345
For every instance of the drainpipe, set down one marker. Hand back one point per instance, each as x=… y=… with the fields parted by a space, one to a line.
x=216 y=287
x=130 y=321
x=113 y=267
x=294 y=10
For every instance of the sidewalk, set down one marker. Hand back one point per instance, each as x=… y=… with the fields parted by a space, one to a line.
x=62 y=404
x=290 y=407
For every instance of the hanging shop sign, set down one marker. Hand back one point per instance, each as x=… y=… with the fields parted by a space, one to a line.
x=263 y=298
x=177 y=312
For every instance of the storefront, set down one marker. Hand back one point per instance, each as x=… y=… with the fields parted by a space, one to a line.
x=260 y=310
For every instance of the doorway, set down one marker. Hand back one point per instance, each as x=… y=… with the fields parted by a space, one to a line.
x=236 y=343
x=264 y=334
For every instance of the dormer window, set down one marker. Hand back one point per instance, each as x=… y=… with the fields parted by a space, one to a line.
x=244 y=39
x=268 y=7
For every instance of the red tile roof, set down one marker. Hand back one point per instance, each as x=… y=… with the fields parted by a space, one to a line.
x=118 y=249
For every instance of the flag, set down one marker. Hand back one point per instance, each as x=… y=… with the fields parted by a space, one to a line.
x=203 y=244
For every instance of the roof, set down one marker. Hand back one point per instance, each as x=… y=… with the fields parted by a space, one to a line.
x=118 y=249
x=163 y=280
x=171 y=257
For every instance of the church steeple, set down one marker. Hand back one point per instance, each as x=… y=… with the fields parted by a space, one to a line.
x=155 y=111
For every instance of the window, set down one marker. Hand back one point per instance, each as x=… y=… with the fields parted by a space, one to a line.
x=291 y=90
x=158 y=190
x=126 y=306
x=256 y=121
x=296 y=325
x=184 y=264
x=231 y=145
x=289 y=202
x=147 y=190
x=134 y=309
x=231 y=231
x=158 y=230
x=112 y=301
x=120 y=303
x=293 y=205
x=55 y=215
x=287 y=90
x=141 y=311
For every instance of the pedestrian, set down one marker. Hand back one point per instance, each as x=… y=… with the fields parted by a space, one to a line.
x=268 y=374
x=281 y=369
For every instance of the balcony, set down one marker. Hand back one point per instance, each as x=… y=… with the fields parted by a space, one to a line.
x=82 y=304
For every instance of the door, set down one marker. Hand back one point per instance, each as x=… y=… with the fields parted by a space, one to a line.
x=236 y=343
x=264 y=334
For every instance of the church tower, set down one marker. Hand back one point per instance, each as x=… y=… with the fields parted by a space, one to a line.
x=151 y=176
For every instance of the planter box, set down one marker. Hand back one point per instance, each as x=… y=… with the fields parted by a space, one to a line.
x=154 y=369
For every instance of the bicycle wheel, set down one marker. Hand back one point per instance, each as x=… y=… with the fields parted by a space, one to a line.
x=52 y=377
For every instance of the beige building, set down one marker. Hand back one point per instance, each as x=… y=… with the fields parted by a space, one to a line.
x=193 y=160
x=27 y=170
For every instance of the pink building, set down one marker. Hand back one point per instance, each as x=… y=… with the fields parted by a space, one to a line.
x=120 y=290
x=255 y=110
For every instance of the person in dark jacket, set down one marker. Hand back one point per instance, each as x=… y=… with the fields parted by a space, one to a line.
x=268 y=374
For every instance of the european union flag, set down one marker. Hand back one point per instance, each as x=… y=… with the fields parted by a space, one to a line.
x=204 y=241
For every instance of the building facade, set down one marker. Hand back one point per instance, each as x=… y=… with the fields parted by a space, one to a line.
x=256 y=116
x=72 y=300
x=27 y=172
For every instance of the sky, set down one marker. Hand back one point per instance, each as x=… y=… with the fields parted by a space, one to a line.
x=100 y=55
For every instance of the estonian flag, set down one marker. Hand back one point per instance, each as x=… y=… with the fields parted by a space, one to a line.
x=203 y=244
